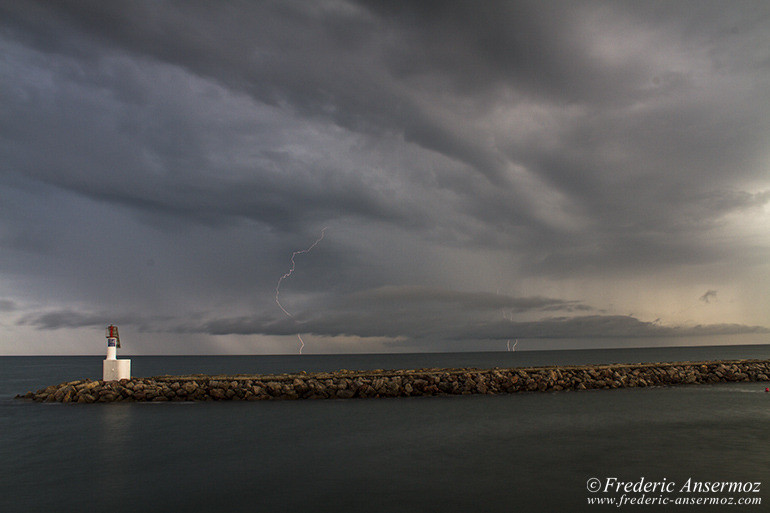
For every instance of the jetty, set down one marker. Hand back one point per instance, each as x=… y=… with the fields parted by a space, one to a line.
x=345 y=384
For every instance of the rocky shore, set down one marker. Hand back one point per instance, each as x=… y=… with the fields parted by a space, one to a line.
x=344 y=384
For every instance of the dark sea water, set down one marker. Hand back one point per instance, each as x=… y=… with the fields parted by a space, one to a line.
x=508 y=453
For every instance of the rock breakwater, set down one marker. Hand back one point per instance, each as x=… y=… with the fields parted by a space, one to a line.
x=345 y=384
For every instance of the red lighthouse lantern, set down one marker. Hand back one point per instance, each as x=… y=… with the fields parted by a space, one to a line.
x=112 y=332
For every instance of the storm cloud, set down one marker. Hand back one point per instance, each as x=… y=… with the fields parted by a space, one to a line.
x=485 y=170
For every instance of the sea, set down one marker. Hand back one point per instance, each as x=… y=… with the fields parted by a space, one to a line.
x=549 y=452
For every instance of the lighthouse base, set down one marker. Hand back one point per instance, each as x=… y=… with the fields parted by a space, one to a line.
x=115 y=370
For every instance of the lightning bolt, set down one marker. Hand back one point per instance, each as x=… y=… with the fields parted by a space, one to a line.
x=289 y=273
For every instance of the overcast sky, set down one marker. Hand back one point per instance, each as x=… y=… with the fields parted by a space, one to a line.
x=472 y=173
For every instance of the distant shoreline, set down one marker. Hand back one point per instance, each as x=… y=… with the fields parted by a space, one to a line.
x=345 y=384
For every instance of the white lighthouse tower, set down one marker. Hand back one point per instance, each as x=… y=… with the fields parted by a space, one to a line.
x=115 y=369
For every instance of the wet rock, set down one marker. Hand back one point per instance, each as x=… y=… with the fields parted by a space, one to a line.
x=300 y=386
x=402 y=383
x=274 y=388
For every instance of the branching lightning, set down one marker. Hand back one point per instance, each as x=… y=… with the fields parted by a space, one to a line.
x=289 y=273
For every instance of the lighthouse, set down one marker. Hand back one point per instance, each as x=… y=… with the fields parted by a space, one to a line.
x=113 y=368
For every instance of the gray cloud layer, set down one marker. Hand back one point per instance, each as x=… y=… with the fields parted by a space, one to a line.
x=422 y=315
x=165 y=159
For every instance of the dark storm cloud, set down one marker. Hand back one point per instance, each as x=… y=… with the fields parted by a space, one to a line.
x=420 y=316
x=62 y=319
x=310 y=59
x=417 y=313
x=383 y=69
x=207 y=141
x=391 y=311
x=534 y=46
x=414 y=313
x=139 y=142
x=408 y=297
